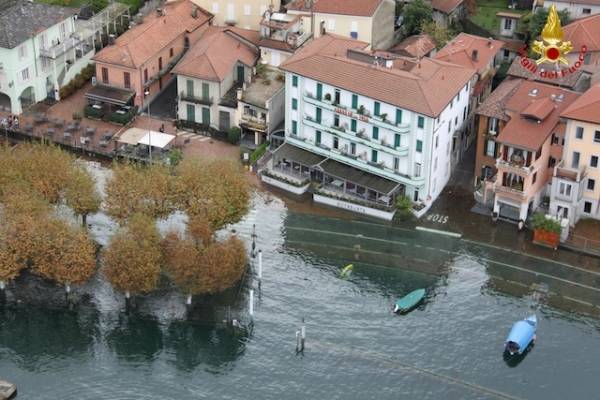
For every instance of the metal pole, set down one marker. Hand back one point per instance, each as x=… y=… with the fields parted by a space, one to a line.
x=259 y=265
x=251 y=303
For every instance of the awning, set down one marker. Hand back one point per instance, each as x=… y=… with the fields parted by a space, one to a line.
x=358 y=177
x=297 y=154
x=156 y=139
x=111 y=95
x=132 y=136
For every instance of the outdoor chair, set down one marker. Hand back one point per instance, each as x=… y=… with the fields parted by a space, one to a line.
x=50 y=132
x=90 y=131
x=67 y=135
x=59 y=123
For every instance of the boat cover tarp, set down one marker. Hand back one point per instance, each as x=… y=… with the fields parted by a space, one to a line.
x=522 y=333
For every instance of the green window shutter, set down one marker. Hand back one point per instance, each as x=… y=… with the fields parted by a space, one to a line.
x=419 y=146
x=377 y=108
x=420 y=122
x=206 y=115
x=205 y=91
x=397 y=140
x=318 y=115
x=398 y=117
x=375 y=133
x=294 y=127
x=319 y=91
x=374 y=156
x=353 y=125
x=294 y=81
x=294 y=104
x=191 y=113
x=318 y=138
x=190 y=87
x=354 y=101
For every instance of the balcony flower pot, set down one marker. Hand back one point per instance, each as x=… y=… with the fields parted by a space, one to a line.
x=546 y=231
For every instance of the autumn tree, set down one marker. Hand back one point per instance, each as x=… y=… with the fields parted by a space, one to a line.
x=63 y=253
x=81 y=194
x=415 y=13
x=200 y=265
x=215 y=191
x=139 y=189
x=132 y=259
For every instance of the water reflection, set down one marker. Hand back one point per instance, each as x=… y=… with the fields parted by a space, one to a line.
x=65 y=334
x=137 y=337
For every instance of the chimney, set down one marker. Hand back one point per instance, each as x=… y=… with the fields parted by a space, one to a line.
x=474 y=55
x=195 y=11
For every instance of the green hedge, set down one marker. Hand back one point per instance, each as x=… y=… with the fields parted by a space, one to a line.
x=77 y=82
x=258 y=152
x=91 y=112
x=123 y=119
x=539 y=221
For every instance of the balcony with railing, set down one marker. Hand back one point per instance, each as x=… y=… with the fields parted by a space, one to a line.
x=254 y=122
x=572 y=174
x=517 y=162
x=184 y=96
x=511 y=184
x=61 y=47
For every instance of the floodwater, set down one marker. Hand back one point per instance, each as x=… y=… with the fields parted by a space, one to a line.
x=448 y=348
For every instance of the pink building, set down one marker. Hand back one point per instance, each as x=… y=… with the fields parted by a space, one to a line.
x=135 y=68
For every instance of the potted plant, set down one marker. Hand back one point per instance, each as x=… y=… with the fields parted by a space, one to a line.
x=546 y=231
x=383 y=117
x=361 y=110
x=327 y=97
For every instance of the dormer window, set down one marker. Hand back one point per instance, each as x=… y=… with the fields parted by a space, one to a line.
x=493 y=126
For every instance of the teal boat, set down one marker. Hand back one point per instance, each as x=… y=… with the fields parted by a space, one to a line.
x=410 y=301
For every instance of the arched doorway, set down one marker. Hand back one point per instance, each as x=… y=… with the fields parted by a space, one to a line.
x=27 y=98
x=4 y=102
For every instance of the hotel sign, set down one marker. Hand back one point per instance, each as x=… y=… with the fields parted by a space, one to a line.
x=347 y=113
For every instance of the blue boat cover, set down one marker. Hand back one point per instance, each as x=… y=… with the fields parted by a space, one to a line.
x=522 y=333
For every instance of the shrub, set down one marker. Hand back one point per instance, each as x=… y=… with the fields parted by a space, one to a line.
x=233 y=135
x=123 y=119
x=91 y=112
x=258 y=153
x=175 y=157
x=327 y=96
x=403 y=205
x=539 y=221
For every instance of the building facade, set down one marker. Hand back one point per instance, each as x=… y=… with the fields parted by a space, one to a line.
x=245 y=14
x=577 y=9
x=448 y=12
x=280 y=36
x=37 y=59
x=356 y=118
x=575 y=190
x=370 y=21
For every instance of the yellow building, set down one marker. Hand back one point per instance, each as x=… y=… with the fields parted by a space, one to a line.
x=576 y=179
x=370 y=21
x=245 y=14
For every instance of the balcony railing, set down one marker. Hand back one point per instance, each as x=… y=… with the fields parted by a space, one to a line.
x=514 y=166
x=515 y=190
x=184 y=96
x=60 y=48
x=572 y=174
x=254 y=122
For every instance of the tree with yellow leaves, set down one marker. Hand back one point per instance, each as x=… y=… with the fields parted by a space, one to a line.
x=133 y=257
x=81 y=194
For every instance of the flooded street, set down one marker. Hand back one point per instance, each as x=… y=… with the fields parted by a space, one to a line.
x=450 y=347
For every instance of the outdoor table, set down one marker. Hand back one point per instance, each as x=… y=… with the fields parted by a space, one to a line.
x=67 y=135
x=90 y=131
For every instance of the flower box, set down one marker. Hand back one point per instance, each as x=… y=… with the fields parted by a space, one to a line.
x=546 y=238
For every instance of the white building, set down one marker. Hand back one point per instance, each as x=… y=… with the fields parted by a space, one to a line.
x=577 y=8
x=39 y=53
x=382 y=125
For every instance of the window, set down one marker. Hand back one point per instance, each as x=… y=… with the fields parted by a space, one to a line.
x=354 y=101
x=420 y=122
x=591 y=184
x=564 y=189
x=171 y=52
x=398 y=117
x=575 y=160
x=104 y=75
x=294 y=81
x=417 y=170
x=375 y=133
x=336 y=120
x=318 y=137
x=145 y=75
x=579 y=132
x=160 y=63
x=63 y=30
x=437 y=141
x=318 y=115
x=534 y=178
x=416 y=195
x=374 y=156
x=377 y=108
x=458 y=97
x=354 y=26
x=419 y=146
x=396 y=140
x=464 y=113
x=23 y=51
x=25 y=74
x=190 y=87
x=126 y=80
x=247 y=10
x=205 y=91
x=396 y=163
x=456 y=121
x=295 y=127
x=353 y=125
x=449 y=126
x=586 y=11
x=587 y=58
x=336 y=142
x=594 y=162
x=294 y=104
x=336 y=96
x=435 y=164
x=587 y=207
x=490 y=148
x=331 y=25
x=507 y=23
x=493 y=125
x=319 y=91
x=353 y=148
x=597 y=136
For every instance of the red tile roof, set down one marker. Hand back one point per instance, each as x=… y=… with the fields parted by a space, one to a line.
x=584 y=31
x=585 y=108
x=534 y=110
x=460 y=51
x=445 y=6
x=214 y=56
x=156 y=32
x=364 y=8
x=414 y=46
x=426 y=86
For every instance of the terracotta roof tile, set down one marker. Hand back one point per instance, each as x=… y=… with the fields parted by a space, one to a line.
x=530 y=102
x=584 y=31
x=494 y=105
x=445 y=6
x=460 y=51
x=425 y=87
x=414 y=46
x=587 y=107
x=213 y=56
x=144 y=40
x=364 y=8
x=568 y=80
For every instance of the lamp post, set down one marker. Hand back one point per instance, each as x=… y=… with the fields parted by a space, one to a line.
x=146 y=93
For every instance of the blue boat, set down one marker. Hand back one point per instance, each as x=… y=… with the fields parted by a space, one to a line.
x=410 y=301
x=521 y=336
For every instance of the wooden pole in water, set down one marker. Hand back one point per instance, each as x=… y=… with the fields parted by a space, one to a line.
x=251 y=303
x=302 y=335
x=259 y=265
x=253 y=240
